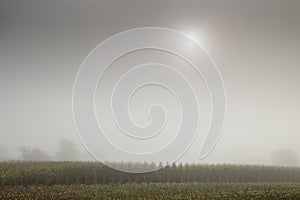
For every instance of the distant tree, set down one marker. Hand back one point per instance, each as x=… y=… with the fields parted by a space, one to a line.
x=4 y=155
x=34 y=154
x=284 y=157
x=67 y=151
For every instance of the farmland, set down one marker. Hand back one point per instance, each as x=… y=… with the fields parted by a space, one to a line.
x=155 y=191
x=90 y=180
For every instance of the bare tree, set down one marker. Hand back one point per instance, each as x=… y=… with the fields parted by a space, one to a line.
x=34 y=154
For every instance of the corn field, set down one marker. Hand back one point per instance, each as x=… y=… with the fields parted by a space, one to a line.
x=90 y=180
x=52 y=173
x=156 y=191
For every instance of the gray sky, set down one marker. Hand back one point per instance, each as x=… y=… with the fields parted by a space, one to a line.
x=255 y=44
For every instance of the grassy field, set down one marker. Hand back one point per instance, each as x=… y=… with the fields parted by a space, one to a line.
x=90 y=180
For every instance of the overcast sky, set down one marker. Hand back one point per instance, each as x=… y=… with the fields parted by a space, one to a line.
x=256 y=45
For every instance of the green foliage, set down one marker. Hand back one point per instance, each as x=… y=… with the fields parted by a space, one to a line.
x=52 y=173
x=91 y=180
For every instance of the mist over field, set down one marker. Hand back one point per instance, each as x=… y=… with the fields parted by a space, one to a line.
x=255 y=44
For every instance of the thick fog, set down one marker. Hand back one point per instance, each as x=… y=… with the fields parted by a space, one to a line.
x=255 y=44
